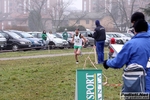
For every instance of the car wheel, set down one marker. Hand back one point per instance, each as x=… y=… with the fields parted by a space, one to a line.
x=120 y=42
x=61 y=47
x=37 y=48
x=15 y=47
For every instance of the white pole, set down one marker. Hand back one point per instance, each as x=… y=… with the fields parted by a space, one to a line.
x=95 y=54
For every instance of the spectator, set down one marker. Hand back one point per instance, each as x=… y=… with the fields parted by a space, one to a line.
x=100 y=36
x=135 y=51
x=44 y=38
x=65 y=35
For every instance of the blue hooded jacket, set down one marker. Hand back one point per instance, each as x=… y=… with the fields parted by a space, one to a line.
x=137 y=50
x=99 y=34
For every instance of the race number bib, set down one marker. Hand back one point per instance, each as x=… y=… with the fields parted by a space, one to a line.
x=77 y=40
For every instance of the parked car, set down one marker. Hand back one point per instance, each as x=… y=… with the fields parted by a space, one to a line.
x=118 y=38
x=58 y=35
x=90 y=39
x=36 y=43
x=124 y=37
x=15 y=42
x=36 y=34
x=39 y=36
x=70 y=36
x=58 y=42
x=3 y=41
x=107 y=41
x=129 y=34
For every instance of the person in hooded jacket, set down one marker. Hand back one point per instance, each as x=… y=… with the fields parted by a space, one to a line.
x=137 y=50
x=100 y=36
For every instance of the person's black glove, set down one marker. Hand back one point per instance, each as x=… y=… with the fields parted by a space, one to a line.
x=89 y=35
x=105 y=64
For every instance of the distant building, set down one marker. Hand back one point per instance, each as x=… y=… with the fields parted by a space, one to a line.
x=88 y=20
x=17 y=11
x=104 y=5
x=118 y=10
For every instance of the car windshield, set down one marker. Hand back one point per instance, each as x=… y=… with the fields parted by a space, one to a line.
x=129 y=35
x=69 y=35
x=114 y=35
x=84 y=34
x=26 y=35
x=107 y=36
x=118 y=35
x=52 y=35
x=14 y=35
x=110 y=35
x=58 y=35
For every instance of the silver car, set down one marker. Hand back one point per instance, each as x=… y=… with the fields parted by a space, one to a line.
x=118 y=38
x=58 y=42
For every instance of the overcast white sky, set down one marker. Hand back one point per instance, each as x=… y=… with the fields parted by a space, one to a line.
x=77 y=4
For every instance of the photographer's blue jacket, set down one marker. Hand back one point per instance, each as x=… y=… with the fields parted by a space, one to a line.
x=137 y=50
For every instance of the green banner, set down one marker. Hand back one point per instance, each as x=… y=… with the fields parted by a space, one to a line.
x=89 y=84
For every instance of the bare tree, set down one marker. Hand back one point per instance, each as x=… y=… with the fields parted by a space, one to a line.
x=78 y=16
x=58 y=13
x=120 y=12
x=33 y=8
x=35 y=17
x=147 y=11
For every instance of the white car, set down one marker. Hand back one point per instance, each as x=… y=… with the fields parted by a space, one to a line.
x=129 y=34
x=124 y=37
x=120 y=38
x=58 y=42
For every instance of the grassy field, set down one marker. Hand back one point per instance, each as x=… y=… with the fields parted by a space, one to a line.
x=39 y=52
x=48 y=79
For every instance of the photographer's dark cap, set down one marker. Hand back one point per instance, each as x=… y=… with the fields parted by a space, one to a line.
x=137 y=16
x=140 y=26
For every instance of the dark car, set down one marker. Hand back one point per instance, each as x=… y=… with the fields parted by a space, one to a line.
x=2 y=42
x=70 y=36
x=15 y=42
x=36 y=43
x=90 y=39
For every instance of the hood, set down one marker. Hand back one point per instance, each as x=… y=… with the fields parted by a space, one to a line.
x=59 y=40
x=97 y=23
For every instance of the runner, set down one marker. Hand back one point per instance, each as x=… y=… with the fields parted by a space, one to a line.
x=77 y=40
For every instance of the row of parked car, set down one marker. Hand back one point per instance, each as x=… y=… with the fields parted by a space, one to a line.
x=121 y=38
x=19 y=40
